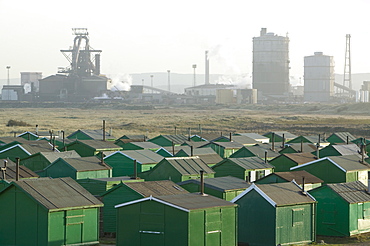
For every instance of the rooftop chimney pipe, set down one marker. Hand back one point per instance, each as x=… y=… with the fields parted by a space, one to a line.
x=17 y=169
x=207 y=69
x=202 y=182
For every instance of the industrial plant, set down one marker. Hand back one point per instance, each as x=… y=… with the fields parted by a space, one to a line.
x=82 y=81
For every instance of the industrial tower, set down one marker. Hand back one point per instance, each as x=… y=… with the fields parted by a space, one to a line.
x=347 y=63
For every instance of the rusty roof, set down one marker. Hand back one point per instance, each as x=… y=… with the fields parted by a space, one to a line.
x=90 y=163
x=24 y=172
x=156 y=188
x=222 y=184
x=298 y=177
x=58 y=194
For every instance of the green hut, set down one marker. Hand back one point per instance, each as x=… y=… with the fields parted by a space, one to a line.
x=164 y=152
x=300 y=177
x=279 y=136
x=249 y=169
x=8 y=172
x=298 y=148
x=208 y=155
x=244 y=140
x=122 y=162
x=78 y=168
x=275 y=214
x=226 y=188
x=28 y=136
x=343 y=209
x=48 y=212
x=257 y=137
x=337 y=169
x=224 y=149
x=92 y=147
x=183 y=219
x=25 y=150
x=178 y=169
x=98 y=186
x=130 y=191
x=91 y=135
x=40 y=160
x=258 y=150
x=340 y=137
x=169 y=140
x=340 y=149
x=140 y=145
x=284 y=162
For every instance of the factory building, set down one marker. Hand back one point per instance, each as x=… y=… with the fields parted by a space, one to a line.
x=271 y=64
x=318 y=77
x=31 y=80
x=80 y=81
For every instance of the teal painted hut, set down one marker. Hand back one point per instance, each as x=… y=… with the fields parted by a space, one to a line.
x=224 y=149
x=122 y=162
x=130 y=191
x=25 y=150
x=78 y=168
x=92 y=147
x=298 y=148
x=337 y=169
x=343 y=209
x=284 y=162
x=181 y=220
x=98 y=186
x=259 y=150
x=340 y=149
x=140 y=145
x=38 y=161
x=9 y=142
x=28 y=136
x=279 y=136
x=275 y=214
x=300 y=177
x=340 y=137
x=48 y=212
x=249 y=169
x=91 y=135
x=164 y=152
x=226 y=188
x=178 y=169
x=168 y=140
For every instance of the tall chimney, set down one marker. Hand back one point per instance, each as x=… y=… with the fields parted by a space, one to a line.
x=202 y=182
x=17 y=169
x=97 y=64
x=207 y=69
x=230 y=137
x=135 y=169
x=103 y=130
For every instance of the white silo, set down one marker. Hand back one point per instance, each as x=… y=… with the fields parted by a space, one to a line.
x=271 y=64
x=318 y=77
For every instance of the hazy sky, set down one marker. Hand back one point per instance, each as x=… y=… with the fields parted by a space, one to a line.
x=139 y=36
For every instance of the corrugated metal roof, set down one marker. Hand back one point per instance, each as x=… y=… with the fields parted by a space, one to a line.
x=99 y=144
x=133 y=136
x=343 y=136
x=301 y=158
x=146 y=145
x=307 y=147
x=287 y=135
x=208 y=155
x=143 y=156
x=122 y=178
x=222 y=184
x=57 y=194
x=210 y=136
x=251 y=163
x=352 y=192
x=243 y=140
x=53 y=156
x=156 y=188
x=346 y=149
x=285 y=193
x=34 y=147
x=189 y=165
x=193 y=201
x=227 y=145
x=254 y=136
x=94 y=134
x=298 y=177
x=177 y=139
x=24 y=172
x=90 y=163
x=7 y=140
x=259 y=150
x=350 y=162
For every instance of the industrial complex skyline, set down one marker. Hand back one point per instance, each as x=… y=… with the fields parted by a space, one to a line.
x=147 y=36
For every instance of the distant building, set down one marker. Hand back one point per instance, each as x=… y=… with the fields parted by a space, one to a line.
x=318 y=77
x=12 y=92
x=31 y=79
x=271 y=64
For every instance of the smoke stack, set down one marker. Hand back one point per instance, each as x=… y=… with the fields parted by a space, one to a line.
x=202 y=182
x=265 y=156
x=135 y=169
x=97 y=64
x=283 y=143
x=173 y=148
x=303 y=184
x=273 y=141
x=103 y=130
x=207 y=69
x=17 y=169
x=230 y=137
x=263 y=31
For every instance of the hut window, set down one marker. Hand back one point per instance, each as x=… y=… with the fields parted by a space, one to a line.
x=297 y=216
x=366 y=211
x=260 y=174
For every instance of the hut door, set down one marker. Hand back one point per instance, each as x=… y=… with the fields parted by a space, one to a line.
x=74 y=226
x=213 y=228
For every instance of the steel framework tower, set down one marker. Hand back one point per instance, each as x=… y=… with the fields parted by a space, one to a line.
x=347 y=63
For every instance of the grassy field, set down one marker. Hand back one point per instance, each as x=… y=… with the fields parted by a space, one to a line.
x=298 y=119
